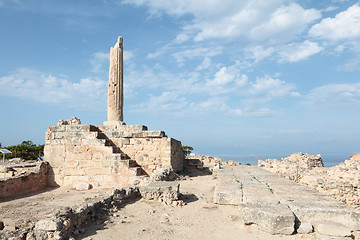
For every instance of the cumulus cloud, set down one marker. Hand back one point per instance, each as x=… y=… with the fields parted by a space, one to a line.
x=285 y=23
x=273 y=20
x=228 y=90
x=295 y=52
x=334 y=96
x=46 y=88
x=345 y=25
x=196 y=52
x=204 y=65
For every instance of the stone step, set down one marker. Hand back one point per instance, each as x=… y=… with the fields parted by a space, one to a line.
x=138 y=171
x=274 y=218
x=120 y=156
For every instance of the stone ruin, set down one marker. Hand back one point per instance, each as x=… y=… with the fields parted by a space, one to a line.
x=114 y=154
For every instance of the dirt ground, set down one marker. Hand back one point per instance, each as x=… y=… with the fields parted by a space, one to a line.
x=36 y=206
x=199 y=219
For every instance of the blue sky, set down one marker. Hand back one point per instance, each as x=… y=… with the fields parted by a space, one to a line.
x=226 y=77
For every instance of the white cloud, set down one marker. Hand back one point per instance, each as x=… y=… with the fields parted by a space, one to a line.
x=271 y=88
x=259 y=53
x=182 y=37
x=345 y=25
x=253 y=19
x=334 y=96
x=206 y=63
x=295 y=52
x=285 y=23
x=196 y=52
x=228 y=90
x=351 y=65
x=89 y=94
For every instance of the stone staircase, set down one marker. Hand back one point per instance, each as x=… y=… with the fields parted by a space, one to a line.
x=127 y=168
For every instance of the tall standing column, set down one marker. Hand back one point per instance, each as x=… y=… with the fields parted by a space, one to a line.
x=116 y=89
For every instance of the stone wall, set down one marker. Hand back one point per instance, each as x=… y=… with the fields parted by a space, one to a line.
x=340 y=182
x=26 y=183
x=107 y=156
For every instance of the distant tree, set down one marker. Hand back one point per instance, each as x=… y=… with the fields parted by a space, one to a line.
x=26 y=150
x=187 y=150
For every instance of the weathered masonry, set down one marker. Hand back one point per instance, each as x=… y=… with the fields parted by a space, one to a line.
x=106 y=156
x=114 y=154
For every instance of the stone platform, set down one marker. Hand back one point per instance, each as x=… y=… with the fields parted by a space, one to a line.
x=280 y=206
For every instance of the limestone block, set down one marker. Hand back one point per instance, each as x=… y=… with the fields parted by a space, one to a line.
x=82 y=186
x=137 y=128
x=50 y=224
x=305 y=228
x=73 y=180
x=308 y=212
x=76 y=128
x=272 y=218
x=154 y=154
x=228 y=193
x=97 y=171
x=98 y=156
x=160 y=190
x=94 y=142
x=155 y=133
x=128 y=134
x=74 y=172
x=333 y=229
x=327 y=237
x=126 y=141
x=90 y=164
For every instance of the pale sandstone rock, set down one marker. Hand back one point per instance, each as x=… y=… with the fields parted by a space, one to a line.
x=160 y=191
x=272 y=218
x=49 y=224
x=71 y=121
x=82 y=186
x=228 y=193
x=305 y=228
x=333 y=229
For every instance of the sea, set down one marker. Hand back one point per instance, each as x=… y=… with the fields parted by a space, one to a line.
x=329 y=160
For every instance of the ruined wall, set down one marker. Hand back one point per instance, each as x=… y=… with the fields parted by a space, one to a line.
x=27 y=183
x=108 y=155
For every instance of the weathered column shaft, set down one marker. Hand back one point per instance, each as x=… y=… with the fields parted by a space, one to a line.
x=115 y=90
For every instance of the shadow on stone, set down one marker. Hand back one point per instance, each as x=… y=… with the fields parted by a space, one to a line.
x=188 y=198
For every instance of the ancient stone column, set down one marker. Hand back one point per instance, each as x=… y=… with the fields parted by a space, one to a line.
x=115 y=90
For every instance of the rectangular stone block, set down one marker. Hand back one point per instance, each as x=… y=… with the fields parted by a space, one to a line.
x=272 y=218
x=97 y=171
x=228 y=193
x=160 y=190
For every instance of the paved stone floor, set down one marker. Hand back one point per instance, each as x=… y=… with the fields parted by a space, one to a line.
x=280 y=206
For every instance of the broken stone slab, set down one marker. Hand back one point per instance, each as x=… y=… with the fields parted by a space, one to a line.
x=82 y=186
x=160 y=191
x=50 y=224
x=228 y=193
x=305 y=228
x=333 y=229
x=272 y=218
x=308 y=212
x=36 y=235
x=327 y=237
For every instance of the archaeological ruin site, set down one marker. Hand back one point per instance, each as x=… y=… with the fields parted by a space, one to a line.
x=119 y=181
